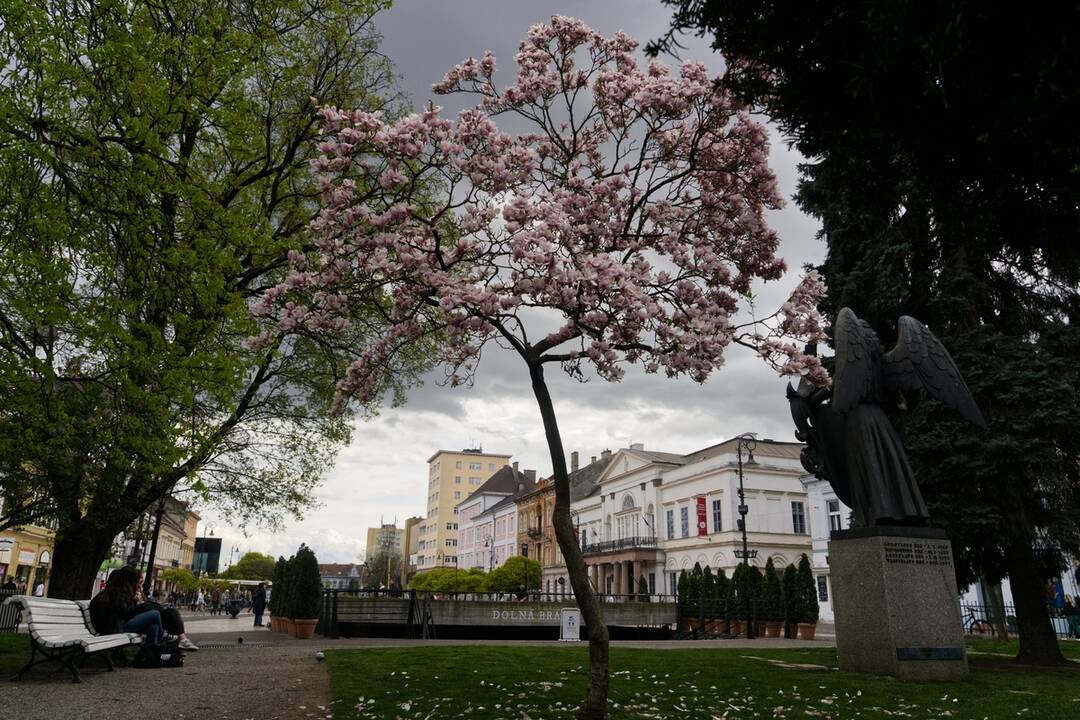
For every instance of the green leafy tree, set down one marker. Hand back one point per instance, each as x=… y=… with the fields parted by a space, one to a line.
x=384 y=569
x=182 y=578
x=965 y=219
x=251 y=566
x=643 y=589
x=155 y=171
x=446 y=580
x=512 y=574
x=306 y=588
x=683 y=587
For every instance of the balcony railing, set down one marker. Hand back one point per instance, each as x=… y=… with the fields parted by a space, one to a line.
x=535 y=533
x=628 y=543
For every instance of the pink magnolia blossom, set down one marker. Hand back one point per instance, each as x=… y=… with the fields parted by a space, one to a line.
x=637 y=218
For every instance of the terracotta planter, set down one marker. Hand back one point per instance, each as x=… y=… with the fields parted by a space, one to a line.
x=807 y=631
x=277 y=624
x=792 y=630
x=772 y=628
x=304 y=629
x=287 y=626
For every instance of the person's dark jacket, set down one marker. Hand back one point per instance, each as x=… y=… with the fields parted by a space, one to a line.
x=109 y=615
x=258 y=603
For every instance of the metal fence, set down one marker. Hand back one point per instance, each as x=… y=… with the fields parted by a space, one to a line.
x=628 y=543
x=978 y=620
x=9 y=614
x=417 y=617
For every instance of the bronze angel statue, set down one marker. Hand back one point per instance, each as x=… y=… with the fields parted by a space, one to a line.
x=851 y=431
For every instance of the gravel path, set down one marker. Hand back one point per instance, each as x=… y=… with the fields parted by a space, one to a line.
x=223 y=681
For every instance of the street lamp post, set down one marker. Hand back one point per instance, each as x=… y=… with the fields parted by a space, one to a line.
x=746 y=440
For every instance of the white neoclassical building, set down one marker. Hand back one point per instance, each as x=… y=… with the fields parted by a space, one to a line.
x=653 y=514
x=827 y=513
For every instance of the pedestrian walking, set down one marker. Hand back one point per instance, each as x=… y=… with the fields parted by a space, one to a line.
x=39 y=590
x=258 y=604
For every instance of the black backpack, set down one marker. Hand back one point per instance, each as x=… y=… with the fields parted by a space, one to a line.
x=151 y=657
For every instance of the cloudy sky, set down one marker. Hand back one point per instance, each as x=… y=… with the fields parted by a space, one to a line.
x=383 y=473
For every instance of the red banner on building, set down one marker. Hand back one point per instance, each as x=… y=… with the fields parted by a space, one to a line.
x=702 y=519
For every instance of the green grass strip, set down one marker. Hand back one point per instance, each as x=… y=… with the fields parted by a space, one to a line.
x=531 y=683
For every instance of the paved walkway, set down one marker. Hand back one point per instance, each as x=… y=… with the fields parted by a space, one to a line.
x=268 y=676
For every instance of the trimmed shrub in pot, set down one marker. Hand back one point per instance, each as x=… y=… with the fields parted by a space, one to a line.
x=276 y=606
x=807 y=608
x=789 y=582
x=306 y=593
x=772 y=601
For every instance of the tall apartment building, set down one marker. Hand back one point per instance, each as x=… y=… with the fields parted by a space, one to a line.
x=387 y=538
x=452 y=477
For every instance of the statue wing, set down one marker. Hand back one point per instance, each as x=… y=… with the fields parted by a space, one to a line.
x=920 y=361
x=855 y=375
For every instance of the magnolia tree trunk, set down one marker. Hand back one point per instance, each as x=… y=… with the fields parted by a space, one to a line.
x=1038 y=643
x=77 y=556
x=595 y=705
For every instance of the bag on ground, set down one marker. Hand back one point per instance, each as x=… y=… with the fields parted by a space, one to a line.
x=151 y=657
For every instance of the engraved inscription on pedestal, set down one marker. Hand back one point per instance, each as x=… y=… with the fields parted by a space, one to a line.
x=905 y=552
x=895 y=603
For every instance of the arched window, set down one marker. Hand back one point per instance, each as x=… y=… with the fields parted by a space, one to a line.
x=628 y=502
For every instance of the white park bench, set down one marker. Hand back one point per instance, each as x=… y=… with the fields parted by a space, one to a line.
x=60 y=631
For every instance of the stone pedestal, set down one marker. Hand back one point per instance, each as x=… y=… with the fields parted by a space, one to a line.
x=895 y=601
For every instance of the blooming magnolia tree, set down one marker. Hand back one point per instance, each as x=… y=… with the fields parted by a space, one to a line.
x=623 y=227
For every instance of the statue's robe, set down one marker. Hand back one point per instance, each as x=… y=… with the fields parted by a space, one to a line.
x=879 y=476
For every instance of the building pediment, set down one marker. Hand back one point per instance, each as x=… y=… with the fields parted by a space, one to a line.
x=626 y=462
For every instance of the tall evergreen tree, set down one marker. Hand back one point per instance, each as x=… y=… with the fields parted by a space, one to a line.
x=944 y=171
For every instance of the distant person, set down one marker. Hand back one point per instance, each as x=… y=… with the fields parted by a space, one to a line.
x=1072 y=616
x=258 y=604
x=9 y=585
x=215 y=602
x=200 y=602
x=20 y=586
x=39 y=590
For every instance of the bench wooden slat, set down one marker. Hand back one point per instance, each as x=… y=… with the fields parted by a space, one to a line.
x=44 y=617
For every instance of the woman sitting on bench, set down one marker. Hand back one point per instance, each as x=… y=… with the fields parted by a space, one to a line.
x=120 y=608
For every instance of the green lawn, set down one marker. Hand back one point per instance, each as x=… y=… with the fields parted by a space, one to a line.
x=14 y=652
x=988 y=648
x=543 y=682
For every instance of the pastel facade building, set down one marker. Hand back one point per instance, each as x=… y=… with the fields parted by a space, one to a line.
x=476 y=526
x=452 y=477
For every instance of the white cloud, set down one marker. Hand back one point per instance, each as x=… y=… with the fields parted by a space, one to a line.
x=382 y=474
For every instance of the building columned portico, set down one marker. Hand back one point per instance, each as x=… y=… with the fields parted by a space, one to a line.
x=615 y=566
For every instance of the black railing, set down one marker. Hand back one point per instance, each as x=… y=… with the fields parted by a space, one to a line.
x=628 y=543
x=9 y=614
x=978 y=620
x=415 y=608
